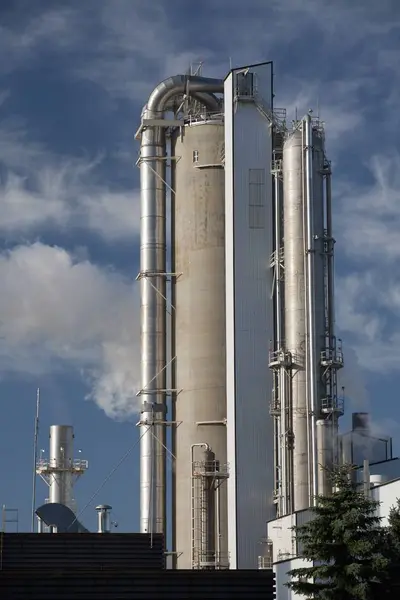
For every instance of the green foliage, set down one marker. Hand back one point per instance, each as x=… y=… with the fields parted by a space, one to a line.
x=394 y=532
x=346 y=544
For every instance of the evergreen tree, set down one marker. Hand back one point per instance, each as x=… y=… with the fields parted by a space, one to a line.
x=345 y=543
x=394 y=533
x=392 y=553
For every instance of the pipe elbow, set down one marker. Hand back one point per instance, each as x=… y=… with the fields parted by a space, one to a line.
x=201 y=88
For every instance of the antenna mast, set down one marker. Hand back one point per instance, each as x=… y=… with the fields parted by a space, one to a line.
x=35 y=444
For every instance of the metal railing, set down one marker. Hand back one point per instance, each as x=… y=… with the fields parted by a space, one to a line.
x=77 y=464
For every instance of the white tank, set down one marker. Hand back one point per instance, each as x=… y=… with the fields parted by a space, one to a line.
x=198 y=241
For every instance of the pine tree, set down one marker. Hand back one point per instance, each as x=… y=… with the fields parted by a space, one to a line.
x=345 y=543
x=394 y=532
x=392 y=553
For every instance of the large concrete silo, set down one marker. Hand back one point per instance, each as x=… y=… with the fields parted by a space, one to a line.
x=198 y=250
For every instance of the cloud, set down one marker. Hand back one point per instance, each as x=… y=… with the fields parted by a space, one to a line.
x=40 y=189
x=57 y=311
x=21 y=40
x=369 y=217
x=368 y=295
x=340 y=57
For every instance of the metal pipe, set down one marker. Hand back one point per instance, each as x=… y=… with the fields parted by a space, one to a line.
x=278 y=237
x=330 y=262
x=103 y=518
x=312 y=375
x=366 y=478
x=281 y=421
x=307 y=316
x=218 y=527
x=61 y=464
x=152 y=291
x=325 y=442
x=40 y=526
x=208 y=509
x=35 y=447
x=295 y=311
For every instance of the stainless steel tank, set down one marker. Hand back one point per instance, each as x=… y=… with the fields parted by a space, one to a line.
x=198 y=242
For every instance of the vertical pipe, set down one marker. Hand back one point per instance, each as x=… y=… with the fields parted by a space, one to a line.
x=312 y=374
x=295 y=312
x=307 y=315
x=61 y=463
x=152 y=293
x=281 y=420
x=103 y=518
x=366 y=479
x=218 y=526
x=40 y=527
x=278 y=237
x=208 y=491
x=330 y=265
x=35 y=446
x=173 y=355
x=153 y=327
x=324 y=455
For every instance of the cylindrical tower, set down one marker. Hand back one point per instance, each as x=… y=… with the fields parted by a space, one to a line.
x=61 y=470
x=153 y=276
x=61 y=460
x=309 y=315
x=199 y=340
x=295 y=309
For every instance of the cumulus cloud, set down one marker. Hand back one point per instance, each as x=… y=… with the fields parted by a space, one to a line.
x=56 y=310
x=42 y=189
x=368 y=295
x=326 y=56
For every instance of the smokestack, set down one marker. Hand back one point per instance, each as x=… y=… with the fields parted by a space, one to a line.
x=103 y=516
x=361 y=422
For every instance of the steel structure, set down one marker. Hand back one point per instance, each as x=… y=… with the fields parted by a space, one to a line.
x=305 y=357
x=176 y=377
x=247 y=443
x=61 y=469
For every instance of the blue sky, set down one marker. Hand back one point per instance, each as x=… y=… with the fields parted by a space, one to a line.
x=73 y=79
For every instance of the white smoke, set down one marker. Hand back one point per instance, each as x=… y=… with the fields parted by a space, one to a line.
x=57 y=310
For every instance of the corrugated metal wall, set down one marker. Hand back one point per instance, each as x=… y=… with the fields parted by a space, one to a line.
x=157 y=585
x=89 y=551
x=248 y=198
x=112 y=566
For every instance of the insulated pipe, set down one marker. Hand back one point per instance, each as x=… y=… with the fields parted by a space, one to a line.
x=153 y=292
x=312 y=372
x=295 y=311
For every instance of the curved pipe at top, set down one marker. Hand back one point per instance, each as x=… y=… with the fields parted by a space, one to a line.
x=201 y=88
x=153 y=157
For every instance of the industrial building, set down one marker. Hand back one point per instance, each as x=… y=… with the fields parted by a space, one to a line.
x=239 y=356
x=238 y=349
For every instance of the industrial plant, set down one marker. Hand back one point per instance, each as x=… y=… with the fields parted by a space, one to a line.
x=239 y=355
